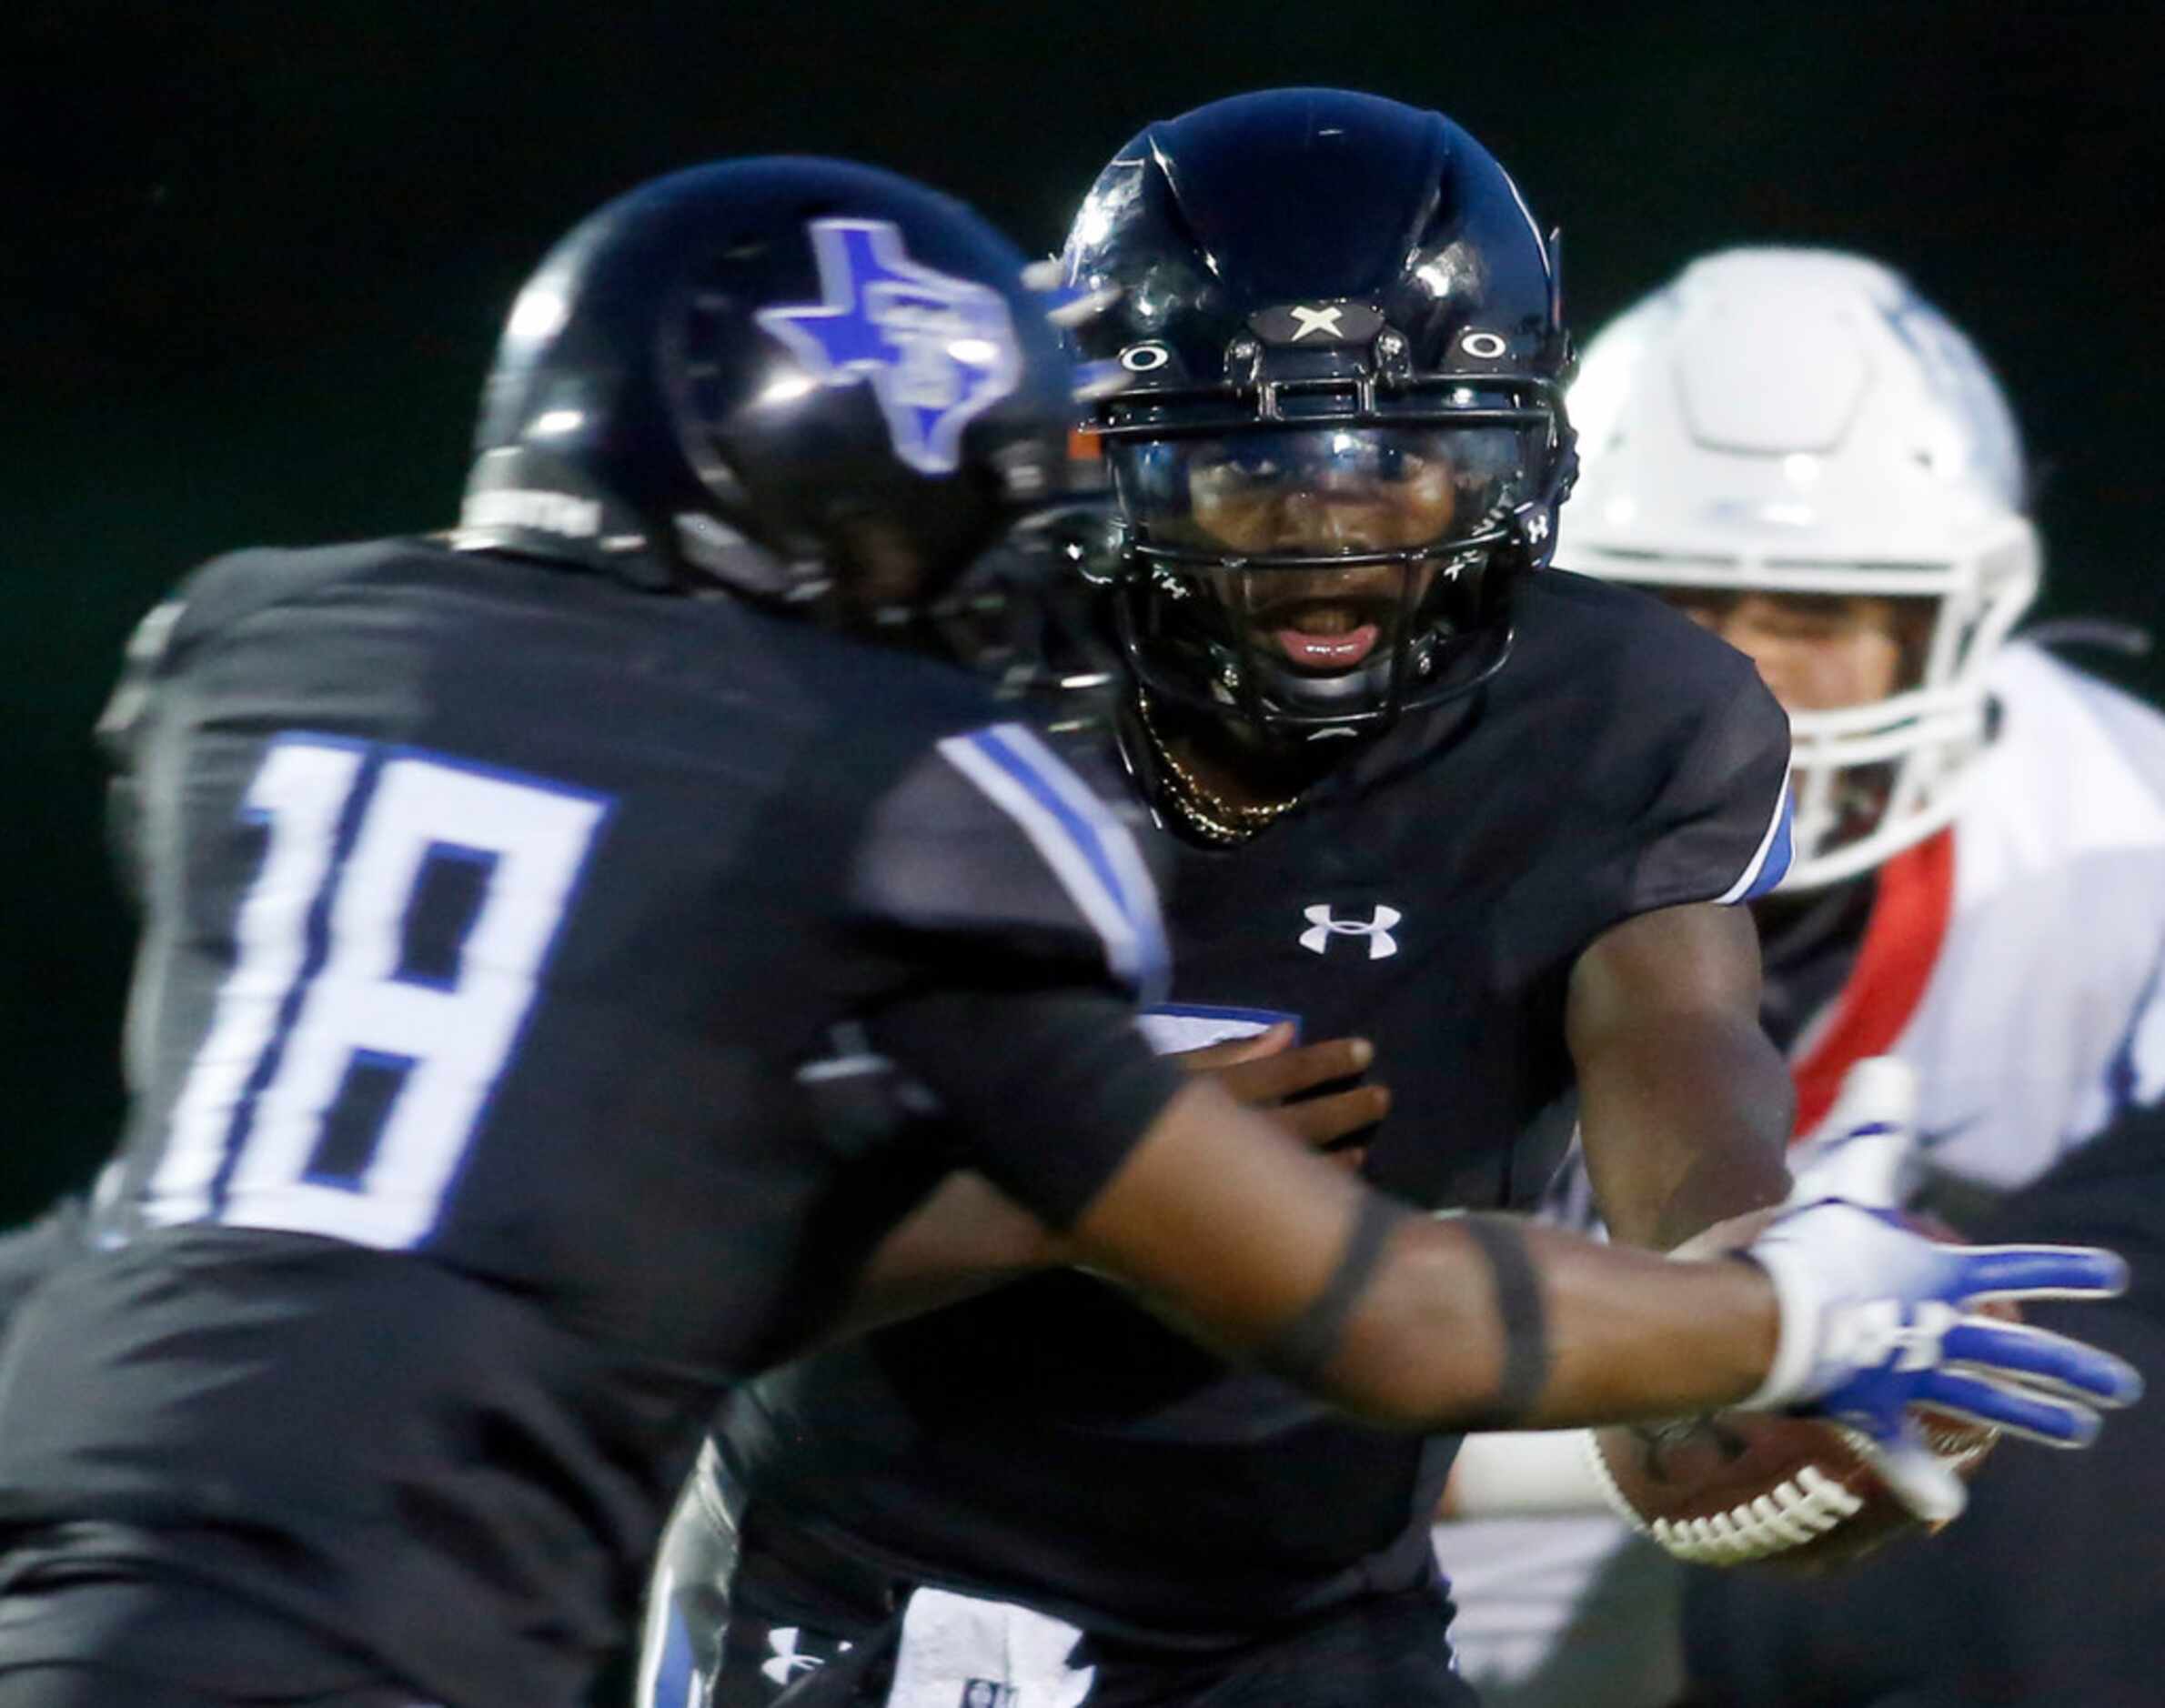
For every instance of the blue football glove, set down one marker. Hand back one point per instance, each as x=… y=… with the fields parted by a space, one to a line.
x=1875 y=1319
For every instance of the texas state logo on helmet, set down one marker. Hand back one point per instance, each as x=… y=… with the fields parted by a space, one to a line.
x=937 y=351
x=1795 y=421
x=696 y=371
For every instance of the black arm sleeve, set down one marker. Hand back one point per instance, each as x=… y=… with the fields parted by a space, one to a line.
x=1048 y=1091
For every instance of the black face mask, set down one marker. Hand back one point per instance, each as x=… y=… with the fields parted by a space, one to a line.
x=1319 y=581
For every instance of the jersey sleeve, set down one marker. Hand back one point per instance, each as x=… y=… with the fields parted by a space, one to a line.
x=1046 y=1092
x=209 y=599
x=1025 y=915
x=1718 y=828
x=28 y=1254
x=992 y=863
x=120 y=731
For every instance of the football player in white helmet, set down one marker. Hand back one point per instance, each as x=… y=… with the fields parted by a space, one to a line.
x=1809 y=459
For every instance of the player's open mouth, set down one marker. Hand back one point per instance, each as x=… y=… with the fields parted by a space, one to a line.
x=1324 y=636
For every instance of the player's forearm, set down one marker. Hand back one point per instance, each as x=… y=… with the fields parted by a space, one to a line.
x=1282 y=1259
x=1486 y=1321
x=1684 y=1119
x=965 y=1238
x=1684 y=1104
x=1609 y=1335
x=1491 y=1322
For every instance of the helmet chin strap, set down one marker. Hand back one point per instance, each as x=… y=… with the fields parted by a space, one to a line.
x=1234 y=680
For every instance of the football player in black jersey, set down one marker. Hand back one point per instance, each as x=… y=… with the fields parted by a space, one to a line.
x=1429 y=792
x=550 y=975
x=28 y=1254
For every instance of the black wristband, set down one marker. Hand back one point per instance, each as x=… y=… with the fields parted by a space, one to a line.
x=1302 y=1347
x=1526 y=1324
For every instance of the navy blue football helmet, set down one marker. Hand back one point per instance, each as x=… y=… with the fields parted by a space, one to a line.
x=1343 y=432
x=809 y=383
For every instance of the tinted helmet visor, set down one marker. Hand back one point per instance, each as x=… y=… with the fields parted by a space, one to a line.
x=1315 y=574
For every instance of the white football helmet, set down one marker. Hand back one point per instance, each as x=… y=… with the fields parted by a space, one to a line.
x=1800 y=421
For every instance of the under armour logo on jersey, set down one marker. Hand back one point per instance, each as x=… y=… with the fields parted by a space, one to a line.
x=786 y=1661
x=984 y=1692
x=937 y=350
x=1377 y=930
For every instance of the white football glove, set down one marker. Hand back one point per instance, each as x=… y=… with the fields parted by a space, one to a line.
x=1874 y=1319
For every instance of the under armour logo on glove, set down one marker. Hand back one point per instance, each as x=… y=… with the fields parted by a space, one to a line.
x=1316 y=938
x=1875 y=1333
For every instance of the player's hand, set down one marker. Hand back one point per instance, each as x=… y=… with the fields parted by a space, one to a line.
x=1265 y=1071
x=1877 y=1318
x=1068 y=306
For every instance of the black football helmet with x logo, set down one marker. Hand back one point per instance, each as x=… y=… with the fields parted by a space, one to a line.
x=1343 y=434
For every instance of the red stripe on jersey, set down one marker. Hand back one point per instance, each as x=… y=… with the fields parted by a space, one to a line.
x=1901 y=945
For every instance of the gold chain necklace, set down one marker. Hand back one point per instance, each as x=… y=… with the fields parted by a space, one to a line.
x=1202 y=805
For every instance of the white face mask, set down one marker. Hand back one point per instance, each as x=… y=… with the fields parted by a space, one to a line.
x=1799 y=422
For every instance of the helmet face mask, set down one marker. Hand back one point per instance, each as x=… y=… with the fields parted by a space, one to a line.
x=1794 y=425
x=1312 y=578
x=1343 y=433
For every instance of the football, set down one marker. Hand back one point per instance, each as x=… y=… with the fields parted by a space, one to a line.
x=1752 y=1488
x=1747 y=1488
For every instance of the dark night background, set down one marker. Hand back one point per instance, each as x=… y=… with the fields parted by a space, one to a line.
x=254 y=258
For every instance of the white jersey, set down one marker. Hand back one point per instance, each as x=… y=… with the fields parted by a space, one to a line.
x=2017 y=961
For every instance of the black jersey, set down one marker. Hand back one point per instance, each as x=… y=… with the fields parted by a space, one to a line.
x=1051 y=1444
x=30 y=1253
x=525 y=958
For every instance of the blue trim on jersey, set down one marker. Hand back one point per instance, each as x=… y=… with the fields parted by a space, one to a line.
x=1263 y=1019
x=1080 y=830
x=673 y=1671
x=1775 y=866
x=1154 y=955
